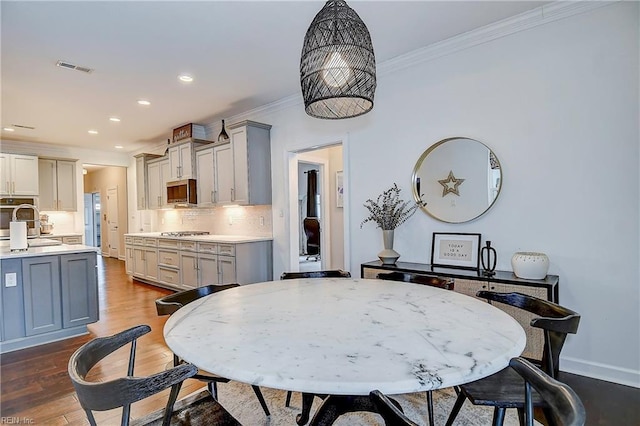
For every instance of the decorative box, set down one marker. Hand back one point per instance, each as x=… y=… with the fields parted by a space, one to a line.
x=195 y=131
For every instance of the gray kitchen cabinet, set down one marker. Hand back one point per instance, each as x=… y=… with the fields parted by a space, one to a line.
x=57 y=185
x=47 y=298
x=79 y=281
x=18 y=175
x=145 y=258
x=206 y=177
x=182 y=159
x=142 y=185
x=42 y=294
x=12 y=296
x=158 y=175
x=243 y=167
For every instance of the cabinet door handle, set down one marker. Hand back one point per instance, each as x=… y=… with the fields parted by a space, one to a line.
x=14 y=187
x=159 y=200
x=233 y=194
x=8 y=187
x=213 y=197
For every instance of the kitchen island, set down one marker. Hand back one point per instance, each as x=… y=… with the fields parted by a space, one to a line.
x=48 y=293
x=190 y=261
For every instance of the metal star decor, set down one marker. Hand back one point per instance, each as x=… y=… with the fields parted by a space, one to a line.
x=450 y=184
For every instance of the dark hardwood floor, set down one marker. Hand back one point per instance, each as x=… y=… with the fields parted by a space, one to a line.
x=34 y=384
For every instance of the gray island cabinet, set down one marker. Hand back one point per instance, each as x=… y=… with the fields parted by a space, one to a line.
x=47 y=294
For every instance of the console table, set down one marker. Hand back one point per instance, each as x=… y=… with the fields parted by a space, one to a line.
x=469 y=282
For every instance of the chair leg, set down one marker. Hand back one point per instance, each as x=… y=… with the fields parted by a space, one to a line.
x=168 y=411
x=256 y=390
x=288 y=400
x=521 y=417
x=213 y=389
x=456 y=408
x=498 y=416
x=430 y=407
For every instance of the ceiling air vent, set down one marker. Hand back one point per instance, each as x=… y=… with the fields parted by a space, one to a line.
x=63 y=64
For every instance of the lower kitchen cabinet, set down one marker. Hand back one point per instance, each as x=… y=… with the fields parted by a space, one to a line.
x=46 y=298
x=184 y=264
x=470 y=282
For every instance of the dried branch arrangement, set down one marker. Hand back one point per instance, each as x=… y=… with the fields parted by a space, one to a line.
x=389 y=211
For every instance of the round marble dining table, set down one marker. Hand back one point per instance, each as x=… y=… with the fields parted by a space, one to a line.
x=344 y=336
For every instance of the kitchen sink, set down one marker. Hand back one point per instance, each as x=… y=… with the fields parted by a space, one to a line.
x=42 y=242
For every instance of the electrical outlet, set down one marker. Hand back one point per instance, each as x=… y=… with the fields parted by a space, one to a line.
x=230 y=220
x=10 y=279
x=261 y=220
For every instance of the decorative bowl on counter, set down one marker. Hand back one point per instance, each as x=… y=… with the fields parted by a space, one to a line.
x=530 y=265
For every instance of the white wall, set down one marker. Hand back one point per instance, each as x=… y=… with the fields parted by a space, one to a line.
x=558 y=104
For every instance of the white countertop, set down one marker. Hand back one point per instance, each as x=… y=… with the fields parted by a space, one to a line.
x=345 y=336
x=232 y=239
x=5 y=252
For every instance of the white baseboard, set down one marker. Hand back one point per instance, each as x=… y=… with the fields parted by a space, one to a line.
x=596 y=370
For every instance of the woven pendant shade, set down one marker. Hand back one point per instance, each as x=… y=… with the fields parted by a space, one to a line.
x=338 y=67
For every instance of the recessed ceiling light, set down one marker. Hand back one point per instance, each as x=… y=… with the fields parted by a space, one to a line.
x=93 y=132
x=143 y=102
x=9 y=129
x=119 y=147
x=115 y=119
x=186 y=78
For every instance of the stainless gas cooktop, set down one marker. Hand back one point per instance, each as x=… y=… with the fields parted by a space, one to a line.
x=183 y=233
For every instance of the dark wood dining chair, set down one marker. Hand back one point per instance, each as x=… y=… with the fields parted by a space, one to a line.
x=307 y=398
x=504 y=389
x=565 y=407
x=444 y=283
x=407 y=277
x=169 y=304
x=125 y=390
x=335 y=406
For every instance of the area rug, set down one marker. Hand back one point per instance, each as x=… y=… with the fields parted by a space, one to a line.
x=241 y=402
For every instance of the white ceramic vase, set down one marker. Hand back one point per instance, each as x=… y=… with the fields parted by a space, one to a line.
x=530 y=265
x=388 y=256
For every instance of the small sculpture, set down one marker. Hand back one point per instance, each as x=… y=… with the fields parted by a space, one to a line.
x=489 y=258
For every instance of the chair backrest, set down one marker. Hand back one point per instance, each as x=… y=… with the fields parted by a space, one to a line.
x=556 y=321
x=407 y=277
x=566 y=407
x=123 y=391
x=167 y=305
x=334 y=273
x=312 y=230
x=391 y=414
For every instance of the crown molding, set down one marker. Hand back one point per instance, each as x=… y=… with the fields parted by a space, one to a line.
x=524 y=21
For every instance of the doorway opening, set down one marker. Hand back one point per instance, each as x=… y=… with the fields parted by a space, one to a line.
x=317 y=215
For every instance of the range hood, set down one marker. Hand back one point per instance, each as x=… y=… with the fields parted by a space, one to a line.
x=182 y=193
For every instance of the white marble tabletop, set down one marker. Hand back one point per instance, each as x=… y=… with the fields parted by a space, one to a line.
x=344 y=336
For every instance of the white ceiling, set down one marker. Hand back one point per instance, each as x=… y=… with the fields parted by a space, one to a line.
x=241 y=54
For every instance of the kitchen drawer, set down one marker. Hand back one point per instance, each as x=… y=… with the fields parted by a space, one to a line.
x=227 y=249
x=188 y=245
x=151 y=242
x=139 y=241
x=128 y=240
x=207 y=247
x=169 y=276
x=72 y=240
x=168 y=258
x=167 y=243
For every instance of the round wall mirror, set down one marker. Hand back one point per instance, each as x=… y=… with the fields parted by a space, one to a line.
x=458 y=178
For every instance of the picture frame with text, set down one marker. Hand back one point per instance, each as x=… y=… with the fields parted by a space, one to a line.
x=456 y=250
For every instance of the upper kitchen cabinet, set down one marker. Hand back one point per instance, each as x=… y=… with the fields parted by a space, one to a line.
x=243 y=167
x=142 y=185
x=19 y=174
x=182 y=159
x=158 y=175
x=57 y=182
x=206 y=176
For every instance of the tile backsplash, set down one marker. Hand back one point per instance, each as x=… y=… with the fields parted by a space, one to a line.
x=235 y=220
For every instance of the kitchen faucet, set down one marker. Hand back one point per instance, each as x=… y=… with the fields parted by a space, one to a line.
x=36 y=222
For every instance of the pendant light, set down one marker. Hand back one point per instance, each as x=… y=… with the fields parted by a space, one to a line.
x=338 y=67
